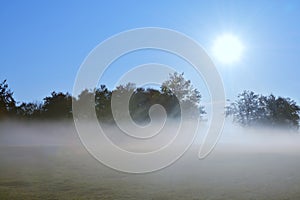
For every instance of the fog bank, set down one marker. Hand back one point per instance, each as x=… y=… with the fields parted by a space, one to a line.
x=49 y=159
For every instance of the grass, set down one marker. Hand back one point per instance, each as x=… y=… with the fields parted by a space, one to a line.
x=67 y=171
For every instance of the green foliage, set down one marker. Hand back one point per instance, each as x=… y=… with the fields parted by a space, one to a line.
x=248 y=110
x=85 y=98
x=186 y=94
x=253 y=109
x=103 y=103
x=283 y=111
x=7 y=102
x=173 y=92
x=140 y=101
x=30 y=110
x=58 y=105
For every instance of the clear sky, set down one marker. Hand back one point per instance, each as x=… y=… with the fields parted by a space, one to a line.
x=43 y=43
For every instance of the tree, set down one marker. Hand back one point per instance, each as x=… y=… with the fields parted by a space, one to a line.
x=119 y=95
x=244 y=110
x=58 y=105
x=173 y=93
x=252 y=109
x=7 y=102
x=182 y=89
x=283 y=112
x=141 y=102
x=103 y=103
x=30 y=110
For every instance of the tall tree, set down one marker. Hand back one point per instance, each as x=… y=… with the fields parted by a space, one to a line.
x=244 y=109
x=189 y=97
x=121 y=93
x=103 y=103
x=58 y=105
x=83 y=102
x=7 y=102
x=283 y=111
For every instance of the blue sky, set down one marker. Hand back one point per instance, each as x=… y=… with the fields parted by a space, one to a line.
x=43 y=43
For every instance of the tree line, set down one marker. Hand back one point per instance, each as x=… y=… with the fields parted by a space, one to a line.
x=252 y=109
x=249 y=109
x=172 y=93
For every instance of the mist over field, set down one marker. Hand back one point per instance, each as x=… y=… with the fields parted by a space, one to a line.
x=47 y=160
x=102 y=99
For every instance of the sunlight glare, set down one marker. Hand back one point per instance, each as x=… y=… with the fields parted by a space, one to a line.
x=227 y=49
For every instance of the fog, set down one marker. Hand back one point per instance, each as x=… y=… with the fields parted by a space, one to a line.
x=247 y=163
x=233 y=137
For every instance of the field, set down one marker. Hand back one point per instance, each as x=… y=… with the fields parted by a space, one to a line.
x=47 y=161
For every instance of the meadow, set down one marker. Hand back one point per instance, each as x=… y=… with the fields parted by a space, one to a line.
x=47 y=161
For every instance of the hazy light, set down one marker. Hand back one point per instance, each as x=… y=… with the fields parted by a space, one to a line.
x=227 y=49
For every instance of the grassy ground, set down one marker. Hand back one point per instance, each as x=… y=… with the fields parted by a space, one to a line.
x=69 y=172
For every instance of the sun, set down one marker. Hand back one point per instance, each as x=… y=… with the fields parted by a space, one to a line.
x=227 y=49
